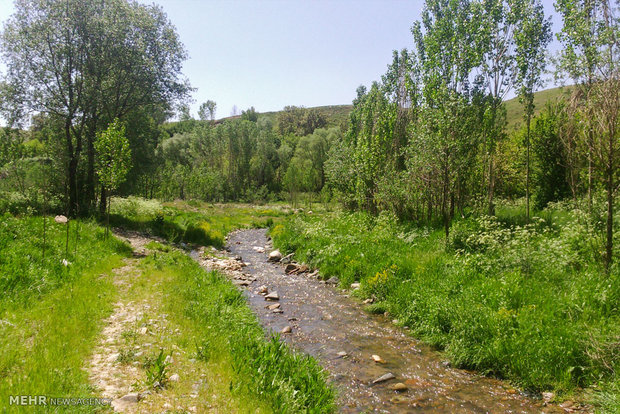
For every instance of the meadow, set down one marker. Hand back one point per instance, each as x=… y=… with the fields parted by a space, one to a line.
x=54 y=307
x=202 y=223
x=529 y=302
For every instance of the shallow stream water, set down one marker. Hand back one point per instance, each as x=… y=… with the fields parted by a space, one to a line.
x=325 y=321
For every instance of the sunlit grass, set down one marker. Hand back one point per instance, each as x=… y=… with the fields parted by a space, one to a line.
x=218 y=329
x=51 y=314
x=525 y=302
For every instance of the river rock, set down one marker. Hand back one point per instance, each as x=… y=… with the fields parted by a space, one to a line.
x=275 y=256
x=263 y=290
x=378 y=359
x=355 y=286
x=272 y=296
x=274 y=306
x=399 y=386
x=174 y=378
x=368 y=301
x=332 y=280
x=286 y=329
x=291 y=268
x=342 y=354
x=384 y=378
x=121 y=404
x=277 y=311
x=287 y=259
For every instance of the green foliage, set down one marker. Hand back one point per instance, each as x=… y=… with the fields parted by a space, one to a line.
x=199 y=223
x=299 y=121
x=207 y=111
x=521 y=301
x=113 y=155
x=25 y=276
x=267 y=371
x=249 y=115
x=551 y=169
x=156 y=371
x=270 y=367
x=82 y=79
x=51 y=313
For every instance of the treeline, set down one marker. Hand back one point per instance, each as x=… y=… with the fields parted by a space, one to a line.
x=429 y=141
x=72 y=69
x=248 y=159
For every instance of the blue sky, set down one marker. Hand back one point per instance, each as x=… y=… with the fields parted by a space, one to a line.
x=272 y=53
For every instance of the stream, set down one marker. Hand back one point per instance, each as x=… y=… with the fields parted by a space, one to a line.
x=325 y=322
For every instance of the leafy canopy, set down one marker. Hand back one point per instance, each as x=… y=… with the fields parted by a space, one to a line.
x=114 y=155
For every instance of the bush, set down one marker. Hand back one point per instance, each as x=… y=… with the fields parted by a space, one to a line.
x=521 y=301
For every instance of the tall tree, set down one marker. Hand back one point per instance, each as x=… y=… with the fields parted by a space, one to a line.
x=496 y=44
x=532 y=36
x=579 y=59
x=85 y=63
x=446 y=42
x=113 y=158
x=206 y=111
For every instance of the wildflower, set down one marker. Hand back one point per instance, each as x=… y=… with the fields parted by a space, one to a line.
x=65 y=262
x=60 y=219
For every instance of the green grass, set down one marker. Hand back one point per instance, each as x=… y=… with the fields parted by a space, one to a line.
x=514 y=109
x=190 y=221
x=51 y=314
x=224 y=333
x=523 y=302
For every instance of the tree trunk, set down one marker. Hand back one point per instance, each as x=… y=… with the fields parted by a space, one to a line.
x=89 y=196
x=491 y=205
x=590 y=170
x=444 y=203
x=527 y=170
x=103 y=202
x=610 y=205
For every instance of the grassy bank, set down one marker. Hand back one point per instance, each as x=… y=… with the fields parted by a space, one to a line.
x=50 y=311
x=190 y=221
x=524 y=302
x=248 y=372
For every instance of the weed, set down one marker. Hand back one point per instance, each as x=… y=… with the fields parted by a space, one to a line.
x=126 y=356
x=518 y=300
x=156 y=370
x=129 y=336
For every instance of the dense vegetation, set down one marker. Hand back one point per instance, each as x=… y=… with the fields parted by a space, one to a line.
x=56 y=305
x=487 y=226
x=45 y=338
x=521 y=301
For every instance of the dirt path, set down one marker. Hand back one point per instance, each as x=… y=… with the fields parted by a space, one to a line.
x=332 y=327
x=137 y=330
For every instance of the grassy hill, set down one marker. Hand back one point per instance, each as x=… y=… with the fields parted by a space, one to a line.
x=338 y=115
x=514 y=109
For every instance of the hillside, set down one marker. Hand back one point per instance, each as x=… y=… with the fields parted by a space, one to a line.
x=514 y=109
x=338 y=115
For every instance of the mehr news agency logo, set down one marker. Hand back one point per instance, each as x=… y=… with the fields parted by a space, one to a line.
x=44 y=400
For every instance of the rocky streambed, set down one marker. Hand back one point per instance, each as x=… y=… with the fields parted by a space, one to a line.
x=374 y=364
